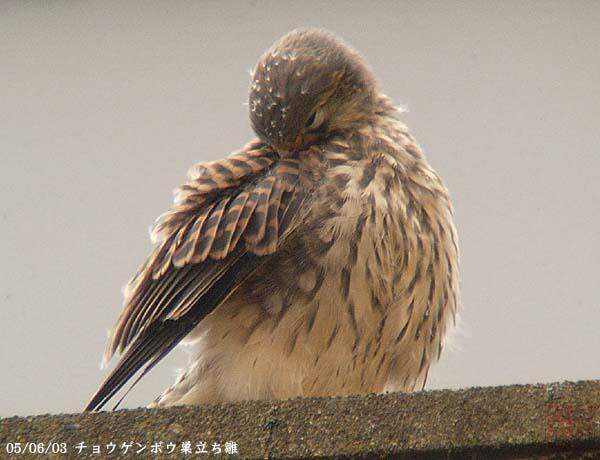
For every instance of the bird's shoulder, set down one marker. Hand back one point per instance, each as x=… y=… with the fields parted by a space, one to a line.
x=243 y=196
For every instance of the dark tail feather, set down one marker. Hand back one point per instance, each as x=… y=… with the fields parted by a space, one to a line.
x=151 y=344
x=162 y=336
x=149 y=366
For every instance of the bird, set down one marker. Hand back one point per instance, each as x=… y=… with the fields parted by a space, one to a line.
x=320 y=259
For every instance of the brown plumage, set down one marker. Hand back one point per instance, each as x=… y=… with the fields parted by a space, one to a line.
x=320 y=259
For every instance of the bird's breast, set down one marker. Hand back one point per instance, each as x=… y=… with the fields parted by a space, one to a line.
x=383 y=251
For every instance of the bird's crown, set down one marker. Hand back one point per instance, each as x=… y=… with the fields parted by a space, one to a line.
x=308 y=84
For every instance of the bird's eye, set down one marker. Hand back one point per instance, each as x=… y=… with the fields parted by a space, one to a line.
x=315 y=120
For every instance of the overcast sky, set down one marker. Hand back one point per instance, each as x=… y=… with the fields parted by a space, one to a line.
x=105 y=105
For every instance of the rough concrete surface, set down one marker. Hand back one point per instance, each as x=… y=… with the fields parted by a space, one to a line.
x=553 y=421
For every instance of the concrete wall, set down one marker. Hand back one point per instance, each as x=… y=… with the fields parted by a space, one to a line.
x=513 y=422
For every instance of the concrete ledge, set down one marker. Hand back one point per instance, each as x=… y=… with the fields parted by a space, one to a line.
x=559 y=421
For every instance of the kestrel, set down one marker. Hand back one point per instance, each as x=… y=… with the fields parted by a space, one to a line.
x=320 y=259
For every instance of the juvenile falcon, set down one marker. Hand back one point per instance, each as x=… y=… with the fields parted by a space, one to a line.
x=320 y=259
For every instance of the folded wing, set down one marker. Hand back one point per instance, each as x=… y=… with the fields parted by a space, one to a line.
x=226 y=218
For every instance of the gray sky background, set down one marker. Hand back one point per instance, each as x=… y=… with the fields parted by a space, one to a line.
x=105 y=105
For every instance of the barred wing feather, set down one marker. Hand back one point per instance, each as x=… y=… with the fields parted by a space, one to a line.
x=225 y=219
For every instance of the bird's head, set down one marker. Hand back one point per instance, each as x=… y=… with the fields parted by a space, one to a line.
x=308 y=86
